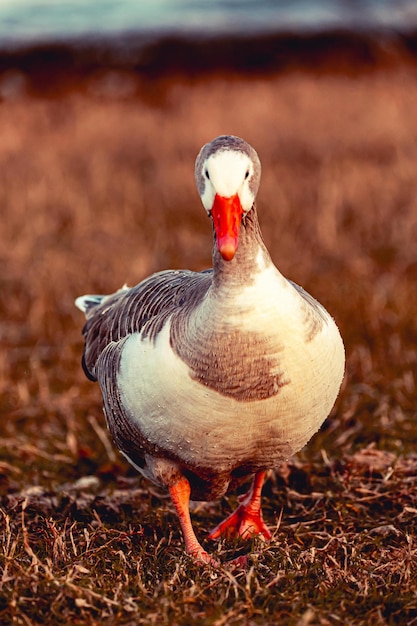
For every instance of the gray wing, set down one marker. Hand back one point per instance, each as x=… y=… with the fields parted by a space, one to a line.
x=144 y=308
x=315 y=315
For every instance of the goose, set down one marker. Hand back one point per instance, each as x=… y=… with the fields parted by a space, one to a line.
x=211 y=379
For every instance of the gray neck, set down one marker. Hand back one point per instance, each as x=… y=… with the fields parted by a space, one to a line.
x=216 y=341
x=244 y=265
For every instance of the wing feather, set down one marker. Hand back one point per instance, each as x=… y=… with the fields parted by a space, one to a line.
x=144 y=308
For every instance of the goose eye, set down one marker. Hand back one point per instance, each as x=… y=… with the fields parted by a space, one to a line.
x=247 y=174
x=207 y=175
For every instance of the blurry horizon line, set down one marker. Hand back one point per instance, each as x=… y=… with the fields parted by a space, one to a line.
x=25 y=23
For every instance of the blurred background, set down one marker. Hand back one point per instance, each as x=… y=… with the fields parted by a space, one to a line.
x=103 y=109
x=49 y=45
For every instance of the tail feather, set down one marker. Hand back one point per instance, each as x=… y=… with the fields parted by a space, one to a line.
x=90 y=301
x=85 y=303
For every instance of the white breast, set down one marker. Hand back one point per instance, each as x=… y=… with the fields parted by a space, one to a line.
x=200 y=425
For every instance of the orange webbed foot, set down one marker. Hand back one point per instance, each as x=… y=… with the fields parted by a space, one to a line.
x=246 y=521
x=241 y=523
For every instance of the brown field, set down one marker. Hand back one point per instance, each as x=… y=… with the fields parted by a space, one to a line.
x=97 y=191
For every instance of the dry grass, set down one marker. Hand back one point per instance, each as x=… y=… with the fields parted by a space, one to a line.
x=97 y=192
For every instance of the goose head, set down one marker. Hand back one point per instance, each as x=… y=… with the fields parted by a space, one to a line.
x=227 y=173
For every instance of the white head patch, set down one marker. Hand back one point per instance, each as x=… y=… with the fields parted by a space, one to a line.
x=228 y=166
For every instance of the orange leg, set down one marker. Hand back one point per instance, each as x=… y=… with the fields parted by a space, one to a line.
x=247 y=520
x=180 y=496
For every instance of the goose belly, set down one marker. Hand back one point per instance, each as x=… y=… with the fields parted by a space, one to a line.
x=203 y=427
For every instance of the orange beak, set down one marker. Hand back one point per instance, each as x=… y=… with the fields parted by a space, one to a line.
x=227 y=217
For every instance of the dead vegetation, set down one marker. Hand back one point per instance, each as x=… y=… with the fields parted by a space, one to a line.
x=96 y=192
